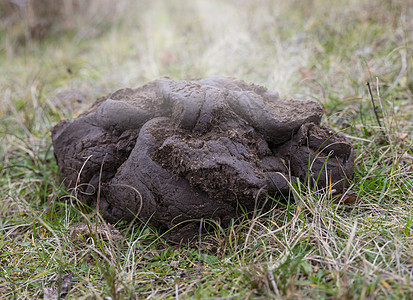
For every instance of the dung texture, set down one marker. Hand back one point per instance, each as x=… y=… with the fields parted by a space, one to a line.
x=173 y=152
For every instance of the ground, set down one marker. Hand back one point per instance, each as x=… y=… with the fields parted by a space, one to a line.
x=316 y=246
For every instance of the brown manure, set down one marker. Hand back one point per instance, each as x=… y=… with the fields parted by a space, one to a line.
x=173 y=152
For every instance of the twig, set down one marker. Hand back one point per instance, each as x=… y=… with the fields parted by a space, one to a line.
x=374 y=105
x=198 y=271
x=271 y=277
x=99 y=186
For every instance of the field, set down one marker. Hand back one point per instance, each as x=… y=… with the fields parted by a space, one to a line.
x=317 y=246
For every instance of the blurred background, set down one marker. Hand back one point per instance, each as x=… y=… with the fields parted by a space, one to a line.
x=312 y=49
x=57 y=56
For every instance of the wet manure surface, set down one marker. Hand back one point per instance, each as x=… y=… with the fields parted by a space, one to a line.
x=173 y=152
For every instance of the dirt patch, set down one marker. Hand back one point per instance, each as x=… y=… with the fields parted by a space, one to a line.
x=174 y=152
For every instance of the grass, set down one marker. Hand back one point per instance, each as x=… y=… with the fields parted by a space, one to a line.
x=313 y=248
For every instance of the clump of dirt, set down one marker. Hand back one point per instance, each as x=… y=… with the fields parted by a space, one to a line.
x=172 y=152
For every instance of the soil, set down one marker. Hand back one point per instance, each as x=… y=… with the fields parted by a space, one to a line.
x=173 y=152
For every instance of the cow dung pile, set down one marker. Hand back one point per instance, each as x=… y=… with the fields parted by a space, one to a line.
x=173 y=152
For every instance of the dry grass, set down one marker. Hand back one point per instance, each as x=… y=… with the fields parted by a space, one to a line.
x=312 y=248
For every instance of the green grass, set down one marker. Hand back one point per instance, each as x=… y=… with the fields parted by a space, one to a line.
x=313 y=248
